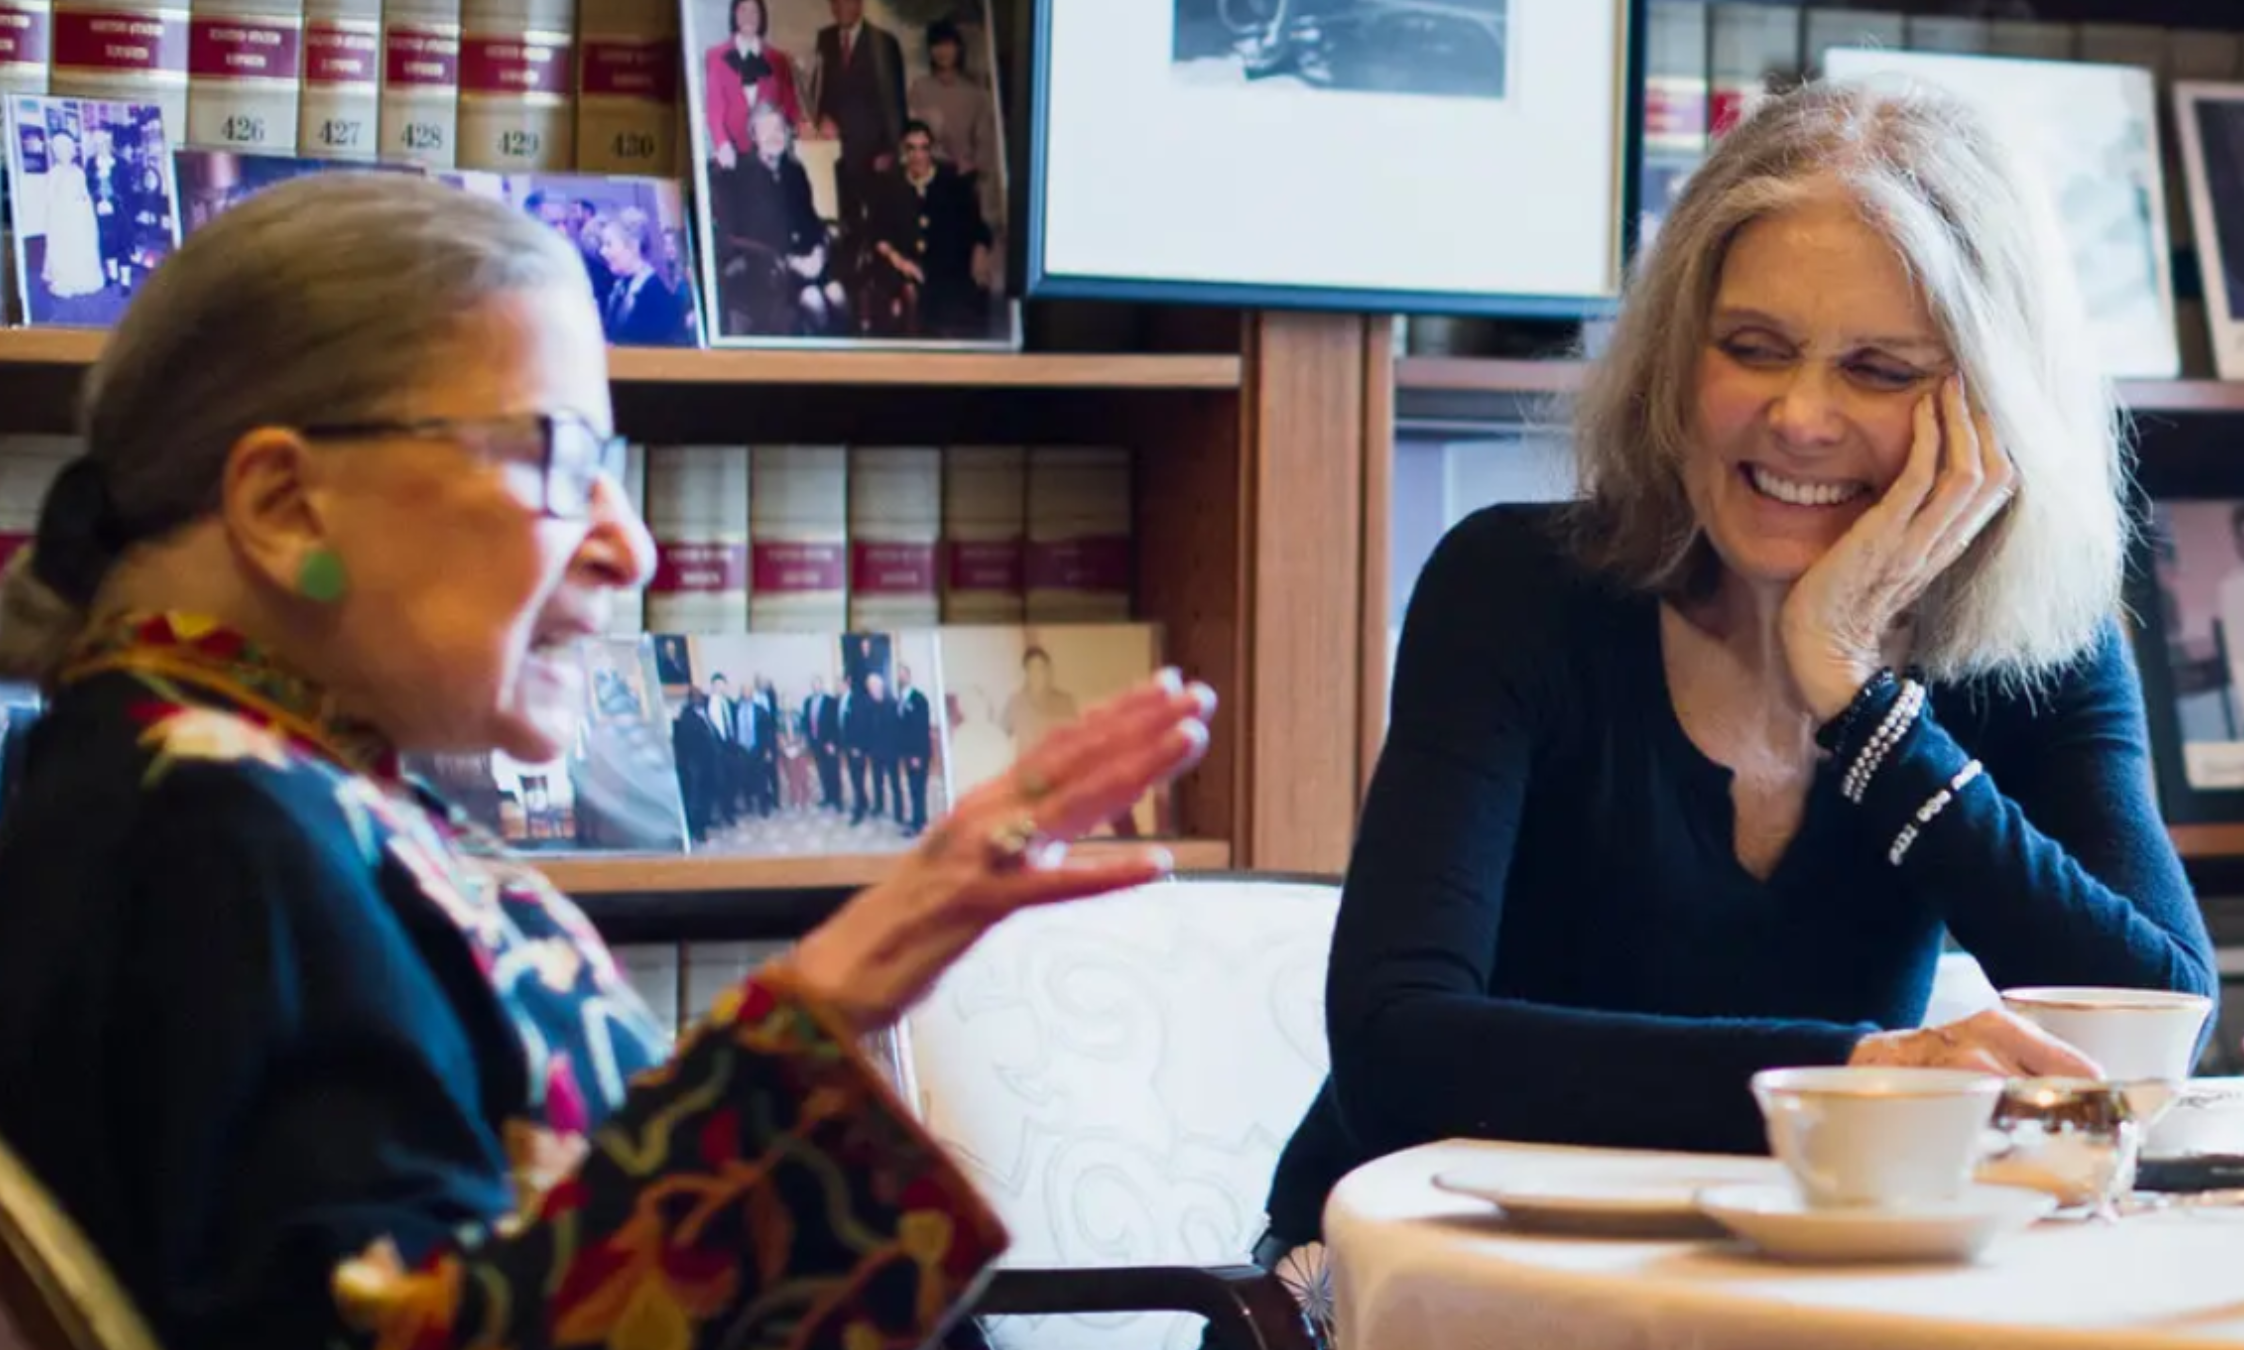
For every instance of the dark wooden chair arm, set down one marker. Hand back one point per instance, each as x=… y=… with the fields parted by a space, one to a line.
x=1247 y=1307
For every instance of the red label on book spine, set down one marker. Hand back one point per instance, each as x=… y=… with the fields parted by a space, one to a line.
x=985 y=565
x=120 y=40
x=423 y=56
x=341 y=53
x=23 y=35
x=699 y=569
x=615 y=68
x=798 y=568
x=234 y=48
x=1093 y=563
x=1731 y=105
x=1674 y=108
x=515 y=64
x=891 y=567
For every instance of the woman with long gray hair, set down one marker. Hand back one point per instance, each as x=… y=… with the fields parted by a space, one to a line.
x=1688 y=778
x=309 y=1058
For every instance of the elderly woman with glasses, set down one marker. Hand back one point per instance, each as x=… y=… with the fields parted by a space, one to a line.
x=307 y=1056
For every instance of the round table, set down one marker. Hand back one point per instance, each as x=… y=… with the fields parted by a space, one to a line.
x=1415 y=1266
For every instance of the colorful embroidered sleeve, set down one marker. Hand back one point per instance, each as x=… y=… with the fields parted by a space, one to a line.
x=764 y=1188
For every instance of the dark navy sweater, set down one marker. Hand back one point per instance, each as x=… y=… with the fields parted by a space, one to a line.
x=1546 y=934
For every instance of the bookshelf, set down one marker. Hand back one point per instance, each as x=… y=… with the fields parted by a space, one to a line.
x=1246 y=442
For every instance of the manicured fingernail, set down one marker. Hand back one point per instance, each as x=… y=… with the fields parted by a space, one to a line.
x=1206 y=699
x=1163 y=861
x=1171 y=679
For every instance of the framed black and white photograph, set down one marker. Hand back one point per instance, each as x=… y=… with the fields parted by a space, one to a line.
x=2211 y=121
x=633 y=236
x=95 y=209
x=1420 y=156
x=2187 y=602
x=850 y=173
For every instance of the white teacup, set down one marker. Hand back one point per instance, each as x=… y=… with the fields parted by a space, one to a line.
x=2132 y=1034
x=1873 y=1136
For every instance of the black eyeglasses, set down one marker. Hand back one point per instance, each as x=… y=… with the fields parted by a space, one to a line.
x=573 y=454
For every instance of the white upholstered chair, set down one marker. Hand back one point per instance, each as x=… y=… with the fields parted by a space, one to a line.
x=1959 y=989
x=56 y=1293
x=1118 y=1075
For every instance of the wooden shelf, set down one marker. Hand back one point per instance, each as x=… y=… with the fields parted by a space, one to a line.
x=2208 y=841
x=666 y=874
x=837 y=368
x=1478 y=375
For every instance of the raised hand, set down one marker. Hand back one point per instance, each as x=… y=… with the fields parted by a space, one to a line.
x=1003 y=848
x=1840 y=613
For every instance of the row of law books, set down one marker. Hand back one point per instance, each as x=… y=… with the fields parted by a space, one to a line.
x=501 y=85
x=822 y=537
x=798 y=745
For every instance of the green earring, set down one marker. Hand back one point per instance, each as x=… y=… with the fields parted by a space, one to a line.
x=319 y=578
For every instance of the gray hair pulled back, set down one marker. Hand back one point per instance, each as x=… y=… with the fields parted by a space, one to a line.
x=325 y=298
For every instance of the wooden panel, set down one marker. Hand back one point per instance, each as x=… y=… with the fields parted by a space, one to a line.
x=1305 y=410
x=1191 y=556
x=668 y=874
x=1378 y=546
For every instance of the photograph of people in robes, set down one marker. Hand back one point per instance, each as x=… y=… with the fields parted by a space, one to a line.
x=95 y=210
x=632 y=235
x=808 y=744
x=851 y=172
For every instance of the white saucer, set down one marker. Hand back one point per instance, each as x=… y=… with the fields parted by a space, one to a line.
x=1613 y=1206
x=1775 y=1219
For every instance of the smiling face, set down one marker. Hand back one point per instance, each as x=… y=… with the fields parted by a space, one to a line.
x=465 y=601
x=1819 y=347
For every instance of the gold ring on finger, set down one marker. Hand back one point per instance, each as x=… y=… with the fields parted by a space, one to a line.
x=1011 y=840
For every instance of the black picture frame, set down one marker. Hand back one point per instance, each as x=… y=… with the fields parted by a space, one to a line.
x=1036 y=278
x=2166 y=681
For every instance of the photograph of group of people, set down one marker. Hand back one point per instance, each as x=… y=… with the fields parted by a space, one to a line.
x=633 y=236
x=850 y=171
x=93 y=204
x=806 y=744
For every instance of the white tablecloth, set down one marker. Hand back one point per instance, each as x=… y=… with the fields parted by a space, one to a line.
x=1418 y=1267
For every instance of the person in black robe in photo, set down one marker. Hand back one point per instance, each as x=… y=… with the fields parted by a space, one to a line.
x=915 y=746
x=822 y=731
x=778 y=270
x=929 y=248
x=882 y=764
x=693 y=740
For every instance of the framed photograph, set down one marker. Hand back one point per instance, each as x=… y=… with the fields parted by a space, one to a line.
x=1415 y=156
x=95 y=207
x=808 y=744
x=210 y=181
x=633 y=236
x=2090 y=133
x=2187 y=603
x=849 y=172
x=2211 y=118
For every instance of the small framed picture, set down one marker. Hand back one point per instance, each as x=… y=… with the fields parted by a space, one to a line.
x=2186 y=597
x=95 y=206
x=2211 y=119
x=2090 y=133
x=1415 y=156
x=849 y=172
x=633 y=236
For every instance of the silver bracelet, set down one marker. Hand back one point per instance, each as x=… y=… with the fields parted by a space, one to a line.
x=1933 y=806
x=1899 y=718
